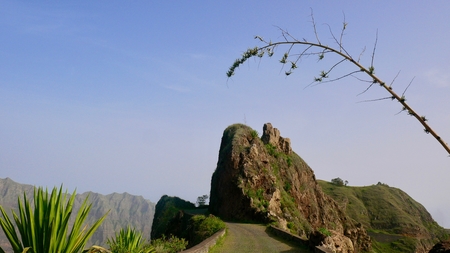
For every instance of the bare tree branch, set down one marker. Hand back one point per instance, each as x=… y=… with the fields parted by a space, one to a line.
x=339 y=78
x=372 y=100
x=269 y=48
x=361 y=54
x=341 y=47
x=408 y=86
x=374 y=48
x=368 y=87
x=344 y=26
x=393 y=80
x=314 y=26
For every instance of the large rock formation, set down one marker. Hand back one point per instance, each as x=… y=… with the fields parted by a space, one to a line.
x=262 y=179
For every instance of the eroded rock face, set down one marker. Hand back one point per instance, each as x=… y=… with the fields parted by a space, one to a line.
x=262 y=179
x=442 y=247
x=272 y=136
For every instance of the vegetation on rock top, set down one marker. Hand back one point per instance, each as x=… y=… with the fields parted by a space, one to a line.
x=165 y=210
x=177 y=218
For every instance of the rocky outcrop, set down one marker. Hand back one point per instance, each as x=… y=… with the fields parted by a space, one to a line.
x=170 y=219
x=262 y=179
x=441 y=247
x=180 y=218
x=272 y=136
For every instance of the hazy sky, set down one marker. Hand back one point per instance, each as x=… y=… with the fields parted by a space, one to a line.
x=132 y=96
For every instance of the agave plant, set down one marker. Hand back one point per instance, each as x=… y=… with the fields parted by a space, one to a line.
x=45 y=228
x=129 y=241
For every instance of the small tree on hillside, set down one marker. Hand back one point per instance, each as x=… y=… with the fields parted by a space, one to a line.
x=337 y=181
x=201 y=200
x=299 y=49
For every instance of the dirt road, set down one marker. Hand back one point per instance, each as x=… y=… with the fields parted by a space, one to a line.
x=249 y=238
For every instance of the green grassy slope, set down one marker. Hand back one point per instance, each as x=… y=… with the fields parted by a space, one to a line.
x=395 y=220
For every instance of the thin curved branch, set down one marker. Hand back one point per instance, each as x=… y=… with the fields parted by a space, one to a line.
x=374 y=48
x=341 y=47
x=408 y=86
x=393 y=80
x=341 y=77
x=259 y=51
x=373 y=100
x=344 y=26
x=314 y=26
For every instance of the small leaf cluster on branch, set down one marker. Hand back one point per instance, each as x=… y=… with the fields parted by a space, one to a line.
x=292 y=56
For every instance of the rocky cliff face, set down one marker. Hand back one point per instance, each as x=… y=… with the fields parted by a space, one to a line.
x=262 y=179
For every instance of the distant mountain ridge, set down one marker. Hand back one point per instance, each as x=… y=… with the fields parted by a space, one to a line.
x=125 y=210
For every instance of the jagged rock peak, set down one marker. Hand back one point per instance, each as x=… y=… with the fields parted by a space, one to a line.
x=272 y=136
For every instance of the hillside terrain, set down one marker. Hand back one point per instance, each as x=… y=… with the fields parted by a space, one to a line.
x=393 y=218
x=170 y=218
x=261 y=179
x=125 y=209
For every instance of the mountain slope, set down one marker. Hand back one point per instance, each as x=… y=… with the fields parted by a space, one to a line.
x=391 y=215
x=263 y=180
x=125 y=209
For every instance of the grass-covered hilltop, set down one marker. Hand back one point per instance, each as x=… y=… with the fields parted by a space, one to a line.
x=395 y=221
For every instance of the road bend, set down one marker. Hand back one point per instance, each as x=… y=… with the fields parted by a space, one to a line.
x=249 y=238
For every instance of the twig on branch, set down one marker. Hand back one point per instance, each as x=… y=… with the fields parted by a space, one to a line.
x=314 y=26
x=364 y=91
x=344 y=26
x=393 y=80
x=362 y=80
x=337 y=78
x=373 y=100
x=374 y=48
x=361 y=54
x=403 y=94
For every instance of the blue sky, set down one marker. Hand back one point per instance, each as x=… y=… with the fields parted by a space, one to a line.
x=121 y=96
